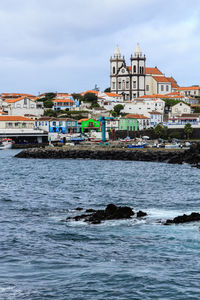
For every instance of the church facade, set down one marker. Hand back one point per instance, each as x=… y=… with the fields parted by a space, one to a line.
x=136 y=80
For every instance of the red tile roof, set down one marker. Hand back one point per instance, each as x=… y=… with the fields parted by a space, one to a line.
x=135 y=116
x=152 y=71
x=14 y=118
x=161 y=79
x=63 y=100
x=188 y=88
x=113 y=95
x=173 y=82
x=18 y=99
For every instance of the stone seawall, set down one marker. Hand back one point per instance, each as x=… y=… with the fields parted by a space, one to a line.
x=191 y=156
x=104 y=154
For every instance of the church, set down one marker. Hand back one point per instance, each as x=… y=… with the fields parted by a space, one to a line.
x=137 y=80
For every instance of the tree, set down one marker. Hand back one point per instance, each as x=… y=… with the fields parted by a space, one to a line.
x=197 y=109
x=77 y=96
x=188 y=129
x=50 y=113
x=90 y=97
x=48 y=100
x=118 y=108
x=107 y=90
x=159 y=130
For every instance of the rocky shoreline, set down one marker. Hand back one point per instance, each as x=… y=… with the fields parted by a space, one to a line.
x=191 y=156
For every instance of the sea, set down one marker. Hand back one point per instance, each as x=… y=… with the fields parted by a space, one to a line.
x=42 y=257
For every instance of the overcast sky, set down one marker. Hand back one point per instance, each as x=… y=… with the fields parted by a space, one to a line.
x=65 y=45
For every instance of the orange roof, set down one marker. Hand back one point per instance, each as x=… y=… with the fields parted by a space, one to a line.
x=63 y=100
x=113 y=95
x=189 y=88
x=15 y=94
x=82 y=120
x=90 y=91
x=14 y=118
x=161 y=79
x=18 y=99
x=2 y=113
x=153 y=71
x=173 y=82
x=132 y=116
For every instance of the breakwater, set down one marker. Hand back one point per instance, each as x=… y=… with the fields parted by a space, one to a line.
x=191 y=156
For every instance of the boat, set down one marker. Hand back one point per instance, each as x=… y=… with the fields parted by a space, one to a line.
x=136 y=145
x=6 y=143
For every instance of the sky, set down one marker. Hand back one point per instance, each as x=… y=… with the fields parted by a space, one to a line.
x=65 y=45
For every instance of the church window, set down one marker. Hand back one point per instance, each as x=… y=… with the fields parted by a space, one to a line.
x=127 y=84
x=142 y=70
x=113 y=85
x=120 y=85
x=147 y=87
x=162 y=88
x=134 y=69
x=134 y=84
x=113 y=70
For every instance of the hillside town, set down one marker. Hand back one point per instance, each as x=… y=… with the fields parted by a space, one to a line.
x=139 y=98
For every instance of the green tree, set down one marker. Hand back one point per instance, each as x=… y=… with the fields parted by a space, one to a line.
x=90 y=97
x=107 y=90
x=159 y=130
x=118 y=108
x=50 y=113
x=197 y=109
x=77 y=96
x=48 y=99
x=188 y=130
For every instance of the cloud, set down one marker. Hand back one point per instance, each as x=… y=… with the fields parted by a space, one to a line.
x=59 y=45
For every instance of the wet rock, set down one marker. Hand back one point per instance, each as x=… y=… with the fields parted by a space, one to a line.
x=193 y=217
x=141 y=213
x=79 y=208
x=111 y=212
x=90 y=210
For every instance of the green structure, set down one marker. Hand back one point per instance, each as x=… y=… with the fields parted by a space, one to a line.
x=90 y=124
x=129 y=123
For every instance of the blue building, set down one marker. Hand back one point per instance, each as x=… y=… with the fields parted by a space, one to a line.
x=61 y=125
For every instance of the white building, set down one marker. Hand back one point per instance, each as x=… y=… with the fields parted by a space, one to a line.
x=179 y=109
x=144 y=106
x=190 y=91
x=136 y=80
x=23 y=106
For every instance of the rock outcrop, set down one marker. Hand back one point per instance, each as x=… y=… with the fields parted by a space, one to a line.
x=193 y=217
x=111 y=212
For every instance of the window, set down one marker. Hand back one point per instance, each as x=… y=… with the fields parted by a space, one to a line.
x=45 y=123
x=32 y=106
x=127 y=85
x=134 y=69
x=162 y=87
x=16 y=124
x=69 y=123
x=73 y=123
x=10 y=125
x=54 y=123
x=18 y=105
x=42 y=123
x=113 y=70
x=134 y=84
x=147 y=87
x=120 y=85
x=167 y=88
x=113 y=85
x=185 y=109
x=25 y=101
x=24 y=125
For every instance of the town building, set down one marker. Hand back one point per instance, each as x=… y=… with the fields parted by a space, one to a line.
x=61 y=125
x=134 y=122
x=136 y=80
x=22 y=106
x=88 y=125
x=179 y=109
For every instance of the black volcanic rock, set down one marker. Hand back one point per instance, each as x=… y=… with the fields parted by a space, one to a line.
x=112 y=212
x=141 y=214
x=184 y=219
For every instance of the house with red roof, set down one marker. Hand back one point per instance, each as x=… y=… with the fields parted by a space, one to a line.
x=24 y=105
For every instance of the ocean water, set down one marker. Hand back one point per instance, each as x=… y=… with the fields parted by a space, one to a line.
x=44 y=258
